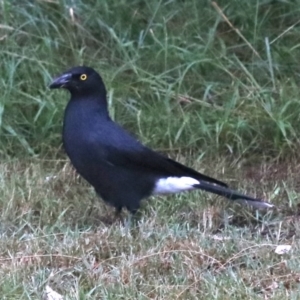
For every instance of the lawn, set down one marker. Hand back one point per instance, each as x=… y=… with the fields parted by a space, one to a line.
x=211 y=84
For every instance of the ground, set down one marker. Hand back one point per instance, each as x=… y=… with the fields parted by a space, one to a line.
x=214 y=85
x=188 y=246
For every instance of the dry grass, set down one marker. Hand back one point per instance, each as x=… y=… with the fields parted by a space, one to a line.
x=185 y=248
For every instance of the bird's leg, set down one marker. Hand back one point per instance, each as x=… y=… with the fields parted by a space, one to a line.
x=89 y=213
x=118 y=212
x=133 y=219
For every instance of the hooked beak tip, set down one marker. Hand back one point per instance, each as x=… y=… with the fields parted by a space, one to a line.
x=61 y=81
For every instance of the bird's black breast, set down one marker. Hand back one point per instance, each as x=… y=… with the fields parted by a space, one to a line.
x=85 y=138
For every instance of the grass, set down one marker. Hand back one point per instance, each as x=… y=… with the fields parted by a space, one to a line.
x=210 y=84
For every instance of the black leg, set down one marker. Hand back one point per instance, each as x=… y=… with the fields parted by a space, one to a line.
x=118 y=212
x=132 y=222
x=91 y=207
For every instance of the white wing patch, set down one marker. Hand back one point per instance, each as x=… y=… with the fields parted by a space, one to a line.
x=174 y=185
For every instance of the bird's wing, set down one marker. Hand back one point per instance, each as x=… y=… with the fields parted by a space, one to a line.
x=152 y=162
x=144 y=159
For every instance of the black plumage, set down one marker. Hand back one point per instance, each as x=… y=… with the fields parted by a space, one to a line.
x=120 y=168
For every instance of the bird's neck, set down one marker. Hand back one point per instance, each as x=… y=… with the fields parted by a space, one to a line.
x=86 y=111
x=93 y=104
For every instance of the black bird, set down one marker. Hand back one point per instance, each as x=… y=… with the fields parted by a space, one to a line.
x=120 y=168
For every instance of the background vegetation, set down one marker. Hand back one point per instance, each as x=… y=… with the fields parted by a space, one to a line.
x=208 y=83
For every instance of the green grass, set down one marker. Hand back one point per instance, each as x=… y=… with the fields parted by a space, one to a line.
x=188 y=84
x=177 y=60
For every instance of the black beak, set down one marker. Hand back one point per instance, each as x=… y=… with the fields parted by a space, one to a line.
x=61 y=81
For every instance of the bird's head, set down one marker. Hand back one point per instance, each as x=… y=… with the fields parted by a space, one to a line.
x=79 y=80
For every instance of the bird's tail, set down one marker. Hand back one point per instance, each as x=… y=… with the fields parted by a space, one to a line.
x=233 y=195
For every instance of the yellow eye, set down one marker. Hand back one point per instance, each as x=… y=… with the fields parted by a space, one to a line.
x=83 y=77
